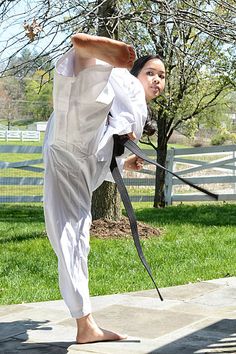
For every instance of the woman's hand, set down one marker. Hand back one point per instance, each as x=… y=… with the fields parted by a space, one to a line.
x=131 y=136
x=133 y=163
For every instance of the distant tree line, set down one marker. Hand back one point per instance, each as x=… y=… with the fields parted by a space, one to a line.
x=26 y=92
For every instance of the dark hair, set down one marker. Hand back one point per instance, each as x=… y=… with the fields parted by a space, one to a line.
x=140 y=62
x=150 y=126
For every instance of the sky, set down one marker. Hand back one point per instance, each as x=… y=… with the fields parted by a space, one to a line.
x=12 y=30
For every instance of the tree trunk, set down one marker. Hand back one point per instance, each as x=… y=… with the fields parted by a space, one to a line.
x=159 y=198
x=106 y=203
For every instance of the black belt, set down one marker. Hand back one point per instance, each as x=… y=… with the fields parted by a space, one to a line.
x=120 y=142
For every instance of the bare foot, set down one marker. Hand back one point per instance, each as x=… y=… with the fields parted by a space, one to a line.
x=89 y=332
x=115 y=53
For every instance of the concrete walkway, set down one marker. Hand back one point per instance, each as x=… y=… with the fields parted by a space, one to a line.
x=193 y=318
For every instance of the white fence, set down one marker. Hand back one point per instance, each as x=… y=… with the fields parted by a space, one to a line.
x=3 y=127
x=205 y=166
x=21 y=181
x=199 y=165
x=19 y=135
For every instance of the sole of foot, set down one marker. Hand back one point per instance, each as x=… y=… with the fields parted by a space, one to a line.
x=113 y=52
x=101 y=335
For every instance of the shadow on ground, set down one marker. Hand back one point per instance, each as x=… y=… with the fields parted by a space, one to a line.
x=14 y=338
x=29 y=213
x=219 y=337
x=221 y=214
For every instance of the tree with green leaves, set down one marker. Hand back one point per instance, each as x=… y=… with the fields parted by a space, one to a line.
x=26 y=92
x=38 y=96
x=196 y=39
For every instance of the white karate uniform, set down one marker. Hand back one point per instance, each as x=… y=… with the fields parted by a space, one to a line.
x=77 y=153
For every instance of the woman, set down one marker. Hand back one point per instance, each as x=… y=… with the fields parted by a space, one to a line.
x=91 y=81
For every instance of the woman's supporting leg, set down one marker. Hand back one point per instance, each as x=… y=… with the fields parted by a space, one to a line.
x=68 y=230
x=67 y=199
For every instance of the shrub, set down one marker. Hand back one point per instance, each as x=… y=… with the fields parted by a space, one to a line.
x=223 y=137
x=218 y=139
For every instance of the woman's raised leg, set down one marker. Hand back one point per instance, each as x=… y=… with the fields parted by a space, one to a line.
x=89 y=48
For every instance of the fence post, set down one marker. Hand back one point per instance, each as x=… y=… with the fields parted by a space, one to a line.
x=169 y=177
x=234 y=171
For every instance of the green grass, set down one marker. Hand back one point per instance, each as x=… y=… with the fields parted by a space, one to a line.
x=27 y=264
x=197 y=243
x=176 y=146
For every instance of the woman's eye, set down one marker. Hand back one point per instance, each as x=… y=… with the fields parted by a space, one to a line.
x=150 y=73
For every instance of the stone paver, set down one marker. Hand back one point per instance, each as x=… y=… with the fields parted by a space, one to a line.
x=193 y=319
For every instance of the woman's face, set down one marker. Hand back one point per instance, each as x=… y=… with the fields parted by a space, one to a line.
x=152 y=77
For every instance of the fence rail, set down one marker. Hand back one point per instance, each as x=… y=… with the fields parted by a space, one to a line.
x=19 y=135
x=21 y=174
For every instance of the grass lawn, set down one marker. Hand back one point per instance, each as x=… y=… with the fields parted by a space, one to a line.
x=197 y=243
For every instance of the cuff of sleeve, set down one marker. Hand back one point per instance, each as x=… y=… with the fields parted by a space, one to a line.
x=124 y=123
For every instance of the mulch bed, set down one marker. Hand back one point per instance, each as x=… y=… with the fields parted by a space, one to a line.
x=104 y=228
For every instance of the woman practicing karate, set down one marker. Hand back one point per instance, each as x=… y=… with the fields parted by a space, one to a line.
x=95 y=97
